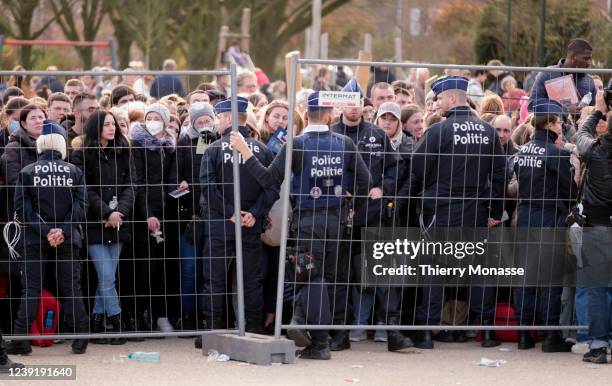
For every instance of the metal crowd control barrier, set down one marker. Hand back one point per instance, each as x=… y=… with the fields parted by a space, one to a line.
x=286 y=288
x=104 y=80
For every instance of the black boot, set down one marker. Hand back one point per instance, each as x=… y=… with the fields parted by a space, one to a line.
x=525 y=340
x=79 y=346
x=318 y=350
x=422 y=339
x=445 y=336
x=97 y=327
x=489 y=339
x=19 y=347
x=554 y=342
x=340 y=341
x=188 y=323
x=116 y=322
x=298 y=336
x=130 y=325
x=254 y=326
x=596 y=355
x=396 y=341
x=5 y=363
x=145 y=322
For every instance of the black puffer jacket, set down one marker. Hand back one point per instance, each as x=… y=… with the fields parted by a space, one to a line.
x=20 y=152
x=109 y=177
x=596 y=152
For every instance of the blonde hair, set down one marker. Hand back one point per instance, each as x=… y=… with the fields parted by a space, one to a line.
x=265 y=131
x=53 y=141
x=491 y=104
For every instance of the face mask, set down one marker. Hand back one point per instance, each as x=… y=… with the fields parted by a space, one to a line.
x=13 y=126
x=206 y=129
x=154 y=127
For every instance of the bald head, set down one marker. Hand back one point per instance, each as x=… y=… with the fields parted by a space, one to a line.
x=503 y=126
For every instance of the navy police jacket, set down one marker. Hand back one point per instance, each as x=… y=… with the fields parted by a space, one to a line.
x=546 y=184
x=459 y=166
x=325 y=167
x=217 y=178
x=50 y=193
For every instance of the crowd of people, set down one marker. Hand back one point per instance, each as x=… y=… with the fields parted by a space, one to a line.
x=125 y=187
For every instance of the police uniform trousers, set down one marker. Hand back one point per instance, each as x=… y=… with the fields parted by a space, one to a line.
x=69 y=284
x=541 y=302
x=219 y=252
x=481 y=299
x=324 y=299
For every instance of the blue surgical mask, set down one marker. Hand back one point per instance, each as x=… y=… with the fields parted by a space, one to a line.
x=13 y=126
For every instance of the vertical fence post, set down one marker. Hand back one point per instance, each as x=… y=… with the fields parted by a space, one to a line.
x=280 y=288
x=237 y=208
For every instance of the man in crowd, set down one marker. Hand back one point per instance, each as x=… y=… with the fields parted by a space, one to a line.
x=167 y=84
x=381 y=92
x=579 y=54
x=83 y=106
x=74 y=87
x=59 y=107
x=246 y=83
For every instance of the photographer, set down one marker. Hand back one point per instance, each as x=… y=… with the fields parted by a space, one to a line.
x=596 y=152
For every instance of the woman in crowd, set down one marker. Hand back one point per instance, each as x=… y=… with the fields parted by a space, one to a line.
x=109 y=175
x=9 y=121
x=412 y=121
x=155 y=160
x=191 y=146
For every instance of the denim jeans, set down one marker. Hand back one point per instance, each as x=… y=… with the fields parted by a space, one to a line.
x=582 y=313
x=600 y=319
x=191 y=272
x=105 y=258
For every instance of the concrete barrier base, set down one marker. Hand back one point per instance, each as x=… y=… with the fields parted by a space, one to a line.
x=252 y=348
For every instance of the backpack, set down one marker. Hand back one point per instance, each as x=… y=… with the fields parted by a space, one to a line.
x=47 y=319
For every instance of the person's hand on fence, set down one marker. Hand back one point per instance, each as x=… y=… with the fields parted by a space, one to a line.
x=115 y=220
x=153 y=224
x=237 y=141
x=183 y=186
x=375 y=193
x=600 y=103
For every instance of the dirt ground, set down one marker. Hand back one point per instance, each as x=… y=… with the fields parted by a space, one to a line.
x=367 y=363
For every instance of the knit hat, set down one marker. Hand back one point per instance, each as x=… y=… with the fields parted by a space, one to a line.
x=161 y=110
x=52 y=137
x=200 y=109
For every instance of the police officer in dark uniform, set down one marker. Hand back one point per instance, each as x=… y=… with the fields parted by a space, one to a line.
x=459 y=167
x=325 y=169
x=381 y=159
x=545 y=189
x=50 y=200
x=217 y=178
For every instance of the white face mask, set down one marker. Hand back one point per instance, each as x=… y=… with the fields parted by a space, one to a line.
x=154 y=127
x=205 y=129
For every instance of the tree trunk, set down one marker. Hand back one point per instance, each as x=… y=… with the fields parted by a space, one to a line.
x=25 y=57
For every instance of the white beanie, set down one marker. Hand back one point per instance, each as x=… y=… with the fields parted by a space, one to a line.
x=161 y=110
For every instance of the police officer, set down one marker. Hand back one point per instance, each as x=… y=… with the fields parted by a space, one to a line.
x=6 y=364
x=256 y=199
x=381 y=159
x=545 y=190
x=325 y=169
x=50 y=200
x=458 y=167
